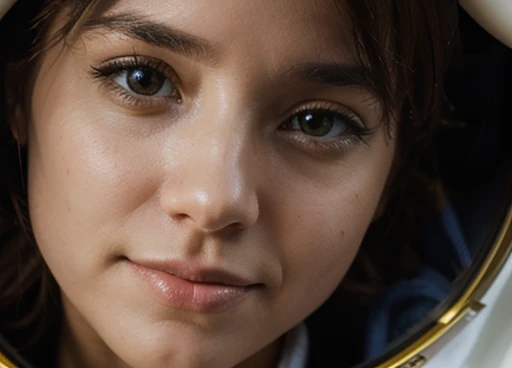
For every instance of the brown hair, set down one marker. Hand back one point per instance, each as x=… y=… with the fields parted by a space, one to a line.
x=407 y=46
x=404 y=45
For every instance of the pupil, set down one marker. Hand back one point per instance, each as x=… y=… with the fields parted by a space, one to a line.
x=315 y=125
x=145 y=81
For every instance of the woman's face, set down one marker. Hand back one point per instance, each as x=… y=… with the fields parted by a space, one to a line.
x=201 y=176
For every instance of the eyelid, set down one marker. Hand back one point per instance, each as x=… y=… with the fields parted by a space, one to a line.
x=115 y=65
x=106 y=70
x=357 y=127
x=328 y=107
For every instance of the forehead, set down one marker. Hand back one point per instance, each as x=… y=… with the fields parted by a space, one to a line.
x=314 y=28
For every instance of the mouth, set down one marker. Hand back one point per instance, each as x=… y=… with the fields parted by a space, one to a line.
x=194 y=288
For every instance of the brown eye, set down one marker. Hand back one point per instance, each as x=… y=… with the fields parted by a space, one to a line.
x=145 y=81
x=326 y=124
x=318 y=125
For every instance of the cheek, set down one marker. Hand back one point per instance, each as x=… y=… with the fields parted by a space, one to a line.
x=82 y=181
x=322 y=225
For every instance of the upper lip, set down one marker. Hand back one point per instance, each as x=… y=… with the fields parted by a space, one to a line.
x=199 y=274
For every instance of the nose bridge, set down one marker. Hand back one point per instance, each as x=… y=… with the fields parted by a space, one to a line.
x=218 y=186
x=229 y=180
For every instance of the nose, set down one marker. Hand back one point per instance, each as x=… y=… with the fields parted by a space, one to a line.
x=214 y=186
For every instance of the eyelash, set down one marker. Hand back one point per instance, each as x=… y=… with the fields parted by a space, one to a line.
x=106 y=72
x=355 y=129
x=355 y=133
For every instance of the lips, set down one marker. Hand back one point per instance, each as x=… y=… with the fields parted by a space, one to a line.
x=197 y=274
x=197 y=289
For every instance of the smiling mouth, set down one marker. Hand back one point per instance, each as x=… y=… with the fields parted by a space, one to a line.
x=203 y=290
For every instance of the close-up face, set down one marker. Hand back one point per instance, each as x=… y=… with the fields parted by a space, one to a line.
x=201 y=176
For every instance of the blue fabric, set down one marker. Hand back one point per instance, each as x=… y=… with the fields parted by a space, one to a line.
x=451 y=226
x=401 y=307
x=406 y=303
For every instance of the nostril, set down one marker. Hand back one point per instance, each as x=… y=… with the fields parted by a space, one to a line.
x=181 y=217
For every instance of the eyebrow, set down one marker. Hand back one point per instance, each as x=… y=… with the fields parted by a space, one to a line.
x=156 y=34
x=333 y=74
x=164 y=36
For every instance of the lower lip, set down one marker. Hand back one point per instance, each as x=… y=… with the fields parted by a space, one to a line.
x=175 y=292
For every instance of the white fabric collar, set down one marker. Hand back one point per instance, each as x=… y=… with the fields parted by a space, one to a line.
x=295 y=348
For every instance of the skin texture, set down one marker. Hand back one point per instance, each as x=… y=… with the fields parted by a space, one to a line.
x=211 y=179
